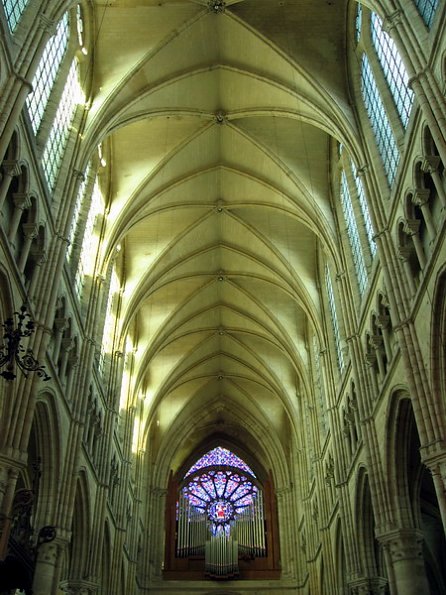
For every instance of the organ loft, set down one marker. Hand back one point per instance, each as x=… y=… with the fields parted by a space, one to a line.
x=222 y=297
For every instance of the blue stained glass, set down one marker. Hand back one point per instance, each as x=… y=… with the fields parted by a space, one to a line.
x=353 y=235
x=220 y=457
x=46 y=73
x=13 y=11
x=358 y=23
x=427 y=9
x=379 y=121
x=334 y=319
x=393 y=68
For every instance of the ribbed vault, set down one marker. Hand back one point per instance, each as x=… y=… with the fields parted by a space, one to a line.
x=218 y=132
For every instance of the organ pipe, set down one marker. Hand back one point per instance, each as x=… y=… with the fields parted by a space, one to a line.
x=221 y=545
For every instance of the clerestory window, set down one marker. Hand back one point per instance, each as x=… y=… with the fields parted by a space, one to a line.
x=379 y=121
x=353 y=235
x=427 y=10
x=393 y=68
x=334 y=319
x=56 y=144
x=13 y=11
x=47 y=70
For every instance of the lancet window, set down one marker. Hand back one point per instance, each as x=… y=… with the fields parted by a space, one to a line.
x=334 y=319
x=46 y=73
x=370 y=234
x=319 y=387
x=353 y=235
x=81 y=193
x=60 y=130
x=109 y=324
x=90 y=239
x=357 y=219
x=13 y=11
x=393 y=68
x=427 y=9
x=379 y=121
x=380 y=60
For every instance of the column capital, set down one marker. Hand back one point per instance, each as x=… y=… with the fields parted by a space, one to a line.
x=403 y=544
x=12 y=167
x=391 y=21
x=420 y=196
x=22 y=200
x=79 y=587
x=430 y=163
x=369 y=586
x=412 y=226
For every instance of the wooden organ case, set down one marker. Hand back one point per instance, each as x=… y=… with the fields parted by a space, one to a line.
x=221 y=524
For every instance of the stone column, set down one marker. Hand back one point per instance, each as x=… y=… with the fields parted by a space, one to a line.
x=45 y=570
x=30 y=232
x=405 y=554
x=430 y=165
x=11 y=169
x=420 y=199
x=22 y=202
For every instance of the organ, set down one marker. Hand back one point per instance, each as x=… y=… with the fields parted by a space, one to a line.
x=223 y=523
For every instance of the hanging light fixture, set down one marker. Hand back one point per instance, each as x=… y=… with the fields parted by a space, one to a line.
x=13 y=353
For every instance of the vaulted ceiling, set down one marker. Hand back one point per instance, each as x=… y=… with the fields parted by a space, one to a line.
x=218 y=128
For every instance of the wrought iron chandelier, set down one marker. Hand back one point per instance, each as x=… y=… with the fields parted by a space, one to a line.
x=12 y=352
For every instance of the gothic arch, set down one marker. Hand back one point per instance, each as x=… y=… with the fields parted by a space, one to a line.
x=370 y=551
x=341 y=563
x=438 y=347
x=46 y=423
x=106 y=560
x=399 y=432
x=81 y=530
x=413 y=493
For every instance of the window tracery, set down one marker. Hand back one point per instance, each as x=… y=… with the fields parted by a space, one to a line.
x=89 y=239
x=393 y=68
x=47 y=70
x=334 y=319
x=13 y=11
x=379 y=121
x=353 y=235
x=60 y=130
x=427 y=10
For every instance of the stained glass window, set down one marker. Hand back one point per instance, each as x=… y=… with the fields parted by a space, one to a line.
x=427 y=9
x=47 y=70
x=109 y=324
x=60 y=130
x=364 y=210
x=317 y=374
x=220 y=457
x=379 y=121
x=358 y=22
x=13 y=12
x=221 y=495
x=393 y=68
x=353 y=235
x=334 y=319
x=90 y=240
x=220 y=514
x=77 y=211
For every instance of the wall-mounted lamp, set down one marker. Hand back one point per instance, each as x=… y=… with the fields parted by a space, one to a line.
x=13 y=353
